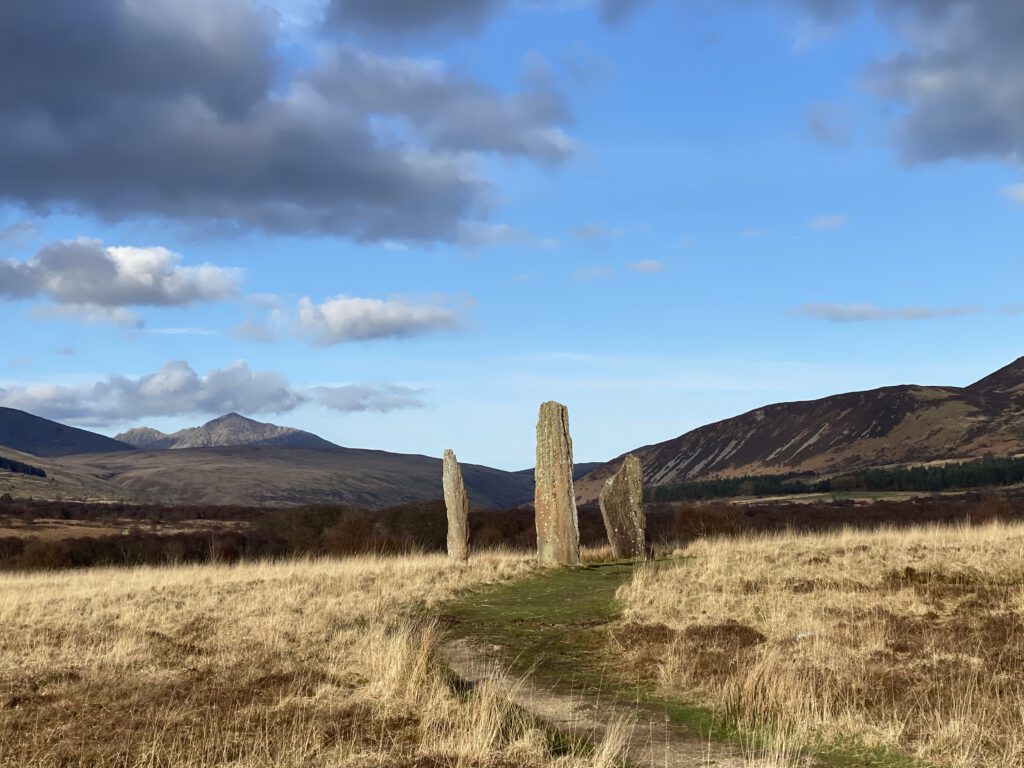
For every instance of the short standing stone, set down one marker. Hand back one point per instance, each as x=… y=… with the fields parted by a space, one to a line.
x=622 y=507
x=558 y=533
x=457 y=502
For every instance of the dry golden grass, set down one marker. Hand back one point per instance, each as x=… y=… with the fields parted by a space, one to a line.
x=299 y=663
x=911 y=639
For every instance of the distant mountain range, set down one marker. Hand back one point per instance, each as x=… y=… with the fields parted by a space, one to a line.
x=230 y=460
x=230 y=430
x=880 y=427
x=236 y=460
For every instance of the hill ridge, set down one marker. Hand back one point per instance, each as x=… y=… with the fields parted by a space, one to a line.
x=35 y=435
x=892 y=425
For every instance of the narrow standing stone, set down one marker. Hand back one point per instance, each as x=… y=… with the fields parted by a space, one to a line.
x=622 y=507
x=457 y=502
x=558 y=533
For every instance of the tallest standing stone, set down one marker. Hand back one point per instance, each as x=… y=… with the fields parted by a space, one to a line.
x=558 y=534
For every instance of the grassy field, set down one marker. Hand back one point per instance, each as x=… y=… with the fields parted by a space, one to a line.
x=887 y=648
x=851 y=642
x=300 y=663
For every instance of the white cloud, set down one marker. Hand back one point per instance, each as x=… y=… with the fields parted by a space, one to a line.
x=86 y=279
x=345 y=318
x=648 y=265
x=593 y=273
x=830 y=221
x=14 y=235
x=181 y=331
x=810 y=33
x=477 y=236
x=91 y=314
x=176 y=389
x=856 y=313
x=1015 y=192
x=250 y=330
x=596 y=231
x=382 y=398
x=265 y=300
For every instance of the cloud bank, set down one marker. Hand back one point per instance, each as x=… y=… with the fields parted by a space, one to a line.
x=176 y=390
x=405 y=17
x=180 y=109
x=859 y=313
x=959 y=81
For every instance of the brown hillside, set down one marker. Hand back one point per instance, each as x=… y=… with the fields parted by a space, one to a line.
x=262 y=476
x=61 y=482
x=880 y=427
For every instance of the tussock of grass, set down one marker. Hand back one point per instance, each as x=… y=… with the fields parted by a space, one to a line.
x=910 y=640
x=297 y=663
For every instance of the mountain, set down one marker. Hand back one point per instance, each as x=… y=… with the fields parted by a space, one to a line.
x=881 y=427
x=227 y=431
x=41 y=437
x=146 y=438
x=275 y=476
x=238 y=461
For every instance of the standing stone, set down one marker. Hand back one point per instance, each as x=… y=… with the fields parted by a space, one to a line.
x=457 y=502
x=558 y=532
x=622 y=507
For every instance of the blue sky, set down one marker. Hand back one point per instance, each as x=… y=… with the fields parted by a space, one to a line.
x=404 y=227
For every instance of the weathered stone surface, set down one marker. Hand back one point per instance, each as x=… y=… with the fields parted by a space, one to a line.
x=457 y=501
x=622 y=507
x=558 y=533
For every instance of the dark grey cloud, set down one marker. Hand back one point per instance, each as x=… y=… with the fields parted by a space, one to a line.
x=962 y=83
x=859 y=313
x=960 y=80
x=176 y=389
x=87 y=278
x=416 y=17
x=17 y=280
x=178 y=109
x=412 y=16
x=71 y=57
x=453 y=112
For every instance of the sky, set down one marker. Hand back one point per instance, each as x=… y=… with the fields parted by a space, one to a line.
x=404 y=225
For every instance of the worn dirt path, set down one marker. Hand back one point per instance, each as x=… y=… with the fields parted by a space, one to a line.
x=652 y=739
x=544 y=641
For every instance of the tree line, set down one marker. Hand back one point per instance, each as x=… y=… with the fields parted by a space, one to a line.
x=21 y=468
x=990 y=471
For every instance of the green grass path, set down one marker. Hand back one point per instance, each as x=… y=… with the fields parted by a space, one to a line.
x=554 y=628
